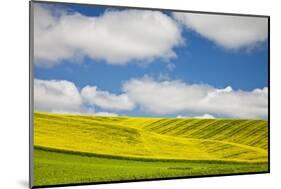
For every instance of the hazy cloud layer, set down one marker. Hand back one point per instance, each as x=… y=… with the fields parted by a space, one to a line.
x=117 y=37
x=227 y=31
x=174 y=97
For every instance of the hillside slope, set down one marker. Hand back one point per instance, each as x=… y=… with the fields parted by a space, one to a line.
x=158 y=138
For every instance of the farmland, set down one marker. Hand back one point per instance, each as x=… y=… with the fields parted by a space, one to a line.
x=83 y=149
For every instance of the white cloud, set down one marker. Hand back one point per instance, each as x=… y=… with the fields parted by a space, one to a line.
x=106 y=100
x=171 y=97
x=62 y=96
x=117 y=37
x=204 y=116
x=56 y=96
x=106 y=114
x=182 y=116
x=153 y=96
x=227 y=31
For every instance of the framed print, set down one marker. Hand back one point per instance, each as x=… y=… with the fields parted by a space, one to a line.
x=123 y=94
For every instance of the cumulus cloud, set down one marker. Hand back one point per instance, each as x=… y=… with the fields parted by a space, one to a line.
x=117 y=37
x=230 y=32
x=182 y=116
x=157 y=97
x=106 y=100
x=64 y=97
x=56 y=96
x=106 y=114
x=204 y=116
x=172 y=97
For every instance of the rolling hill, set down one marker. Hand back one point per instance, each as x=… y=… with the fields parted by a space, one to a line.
x=205 y=146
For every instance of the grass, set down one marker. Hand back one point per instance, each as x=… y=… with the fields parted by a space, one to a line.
x=81 y=149
x=65 y=168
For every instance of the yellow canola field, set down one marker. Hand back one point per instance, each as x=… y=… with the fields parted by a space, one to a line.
x=157 y=138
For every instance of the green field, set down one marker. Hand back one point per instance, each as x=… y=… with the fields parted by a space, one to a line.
x=82 y=149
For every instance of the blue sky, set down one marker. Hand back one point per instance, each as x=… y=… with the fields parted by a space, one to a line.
x=199 y=60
